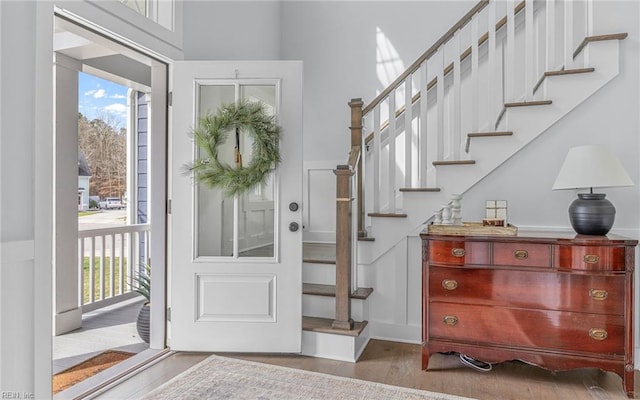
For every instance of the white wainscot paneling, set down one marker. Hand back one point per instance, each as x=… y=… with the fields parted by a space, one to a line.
x=228 y=298
x=320 y=201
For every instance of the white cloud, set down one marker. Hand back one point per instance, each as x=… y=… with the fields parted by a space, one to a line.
x=116 y=108
x=118 y=96
x=96 y=93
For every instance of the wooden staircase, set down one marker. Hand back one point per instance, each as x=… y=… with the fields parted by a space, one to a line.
x=320 y=337
x=438 y=129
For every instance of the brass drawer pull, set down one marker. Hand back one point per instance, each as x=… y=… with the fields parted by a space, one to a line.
x=449 y=284
x=598 y=334
x=521 y=254
x=598 y=294
x=591 y=258
x=457 y=252
x=450 y=320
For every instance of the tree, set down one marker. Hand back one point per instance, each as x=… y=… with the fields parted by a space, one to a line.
x=104 y=145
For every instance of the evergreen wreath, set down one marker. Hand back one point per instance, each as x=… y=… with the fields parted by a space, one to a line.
x=213 y=130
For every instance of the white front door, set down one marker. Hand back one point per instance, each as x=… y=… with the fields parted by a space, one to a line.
x=235 y=264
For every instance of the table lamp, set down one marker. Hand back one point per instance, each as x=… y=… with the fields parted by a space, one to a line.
x=591 y=166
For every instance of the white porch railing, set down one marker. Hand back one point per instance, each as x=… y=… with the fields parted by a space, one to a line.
x=106 y=261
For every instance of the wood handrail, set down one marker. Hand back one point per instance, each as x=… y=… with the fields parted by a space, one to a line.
x=427 y=54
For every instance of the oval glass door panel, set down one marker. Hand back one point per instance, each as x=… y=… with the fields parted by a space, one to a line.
x=243 y=225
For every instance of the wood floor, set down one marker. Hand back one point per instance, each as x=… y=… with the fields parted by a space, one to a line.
x=399 y=364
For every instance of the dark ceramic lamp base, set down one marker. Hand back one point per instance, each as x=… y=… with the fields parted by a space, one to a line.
x=592 y=214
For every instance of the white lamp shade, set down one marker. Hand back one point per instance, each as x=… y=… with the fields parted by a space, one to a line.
x=591 y=166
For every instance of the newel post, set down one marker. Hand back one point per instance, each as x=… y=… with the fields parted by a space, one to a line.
x=356 y=141
x=343 y=248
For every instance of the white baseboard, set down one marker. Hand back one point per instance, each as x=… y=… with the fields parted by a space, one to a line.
x=396 y=332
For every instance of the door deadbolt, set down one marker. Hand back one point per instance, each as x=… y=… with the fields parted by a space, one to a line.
x=293 y=227
x=293 y=206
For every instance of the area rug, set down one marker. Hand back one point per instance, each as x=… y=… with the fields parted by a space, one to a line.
x=225 y=378
x=86 y=369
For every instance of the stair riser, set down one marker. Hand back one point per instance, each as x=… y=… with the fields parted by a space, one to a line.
x=325 y=307
x=325 y=274
x=319 y=273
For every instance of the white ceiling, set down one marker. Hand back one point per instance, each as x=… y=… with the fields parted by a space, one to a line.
x=101 y=56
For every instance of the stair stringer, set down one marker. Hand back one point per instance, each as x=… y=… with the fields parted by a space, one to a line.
x=527 y=123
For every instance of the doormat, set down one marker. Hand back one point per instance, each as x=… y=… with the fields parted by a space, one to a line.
x=86 y=369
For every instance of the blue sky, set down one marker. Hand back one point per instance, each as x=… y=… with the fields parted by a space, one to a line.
x=100 y=98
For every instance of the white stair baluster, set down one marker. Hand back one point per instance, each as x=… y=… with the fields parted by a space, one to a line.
x=568 y=34
x=509 y=92
x=456 y=142
x=588 y=10
x=377 y=151
x=424 y=102
x=440 y=103
x=408 y=132
x=529 y=49
x=391 y=134
x=475 y=79
x=551 y=34
x=491 y=64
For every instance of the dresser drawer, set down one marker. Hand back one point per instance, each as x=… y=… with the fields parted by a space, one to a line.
x=458 y=252
x=522 y=254
x=535 y=329
x=600 y=294
x=594 y=258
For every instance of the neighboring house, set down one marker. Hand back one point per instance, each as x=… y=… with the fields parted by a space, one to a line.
x=349 y=50
x=84 y=174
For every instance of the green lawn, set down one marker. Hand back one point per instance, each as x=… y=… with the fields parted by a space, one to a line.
x=107 y=275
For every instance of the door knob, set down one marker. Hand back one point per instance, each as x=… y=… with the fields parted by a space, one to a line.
x=293 y=227
x=293 y=206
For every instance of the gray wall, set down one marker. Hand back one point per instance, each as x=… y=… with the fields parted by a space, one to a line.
x=231 y=30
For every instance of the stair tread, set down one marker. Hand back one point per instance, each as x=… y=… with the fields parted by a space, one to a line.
x=528 y=103
x=317 y=289
x=489 y=134
x=598 y=38
x=423 y=189
x=323 y=325
x=455 y=162
x=388 y=215
x=319 y=253
x=569 y=71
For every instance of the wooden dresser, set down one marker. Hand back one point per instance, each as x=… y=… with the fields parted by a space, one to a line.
x=557 y=301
